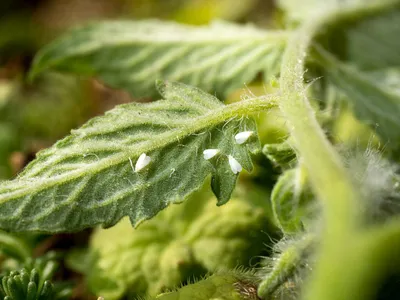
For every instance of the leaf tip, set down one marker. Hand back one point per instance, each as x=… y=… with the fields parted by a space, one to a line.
x=32 y=75
x=36 y=68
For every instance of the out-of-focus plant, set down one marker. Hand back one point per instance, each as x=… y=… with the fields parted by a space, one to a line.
x=23 y=277
x=321 y=176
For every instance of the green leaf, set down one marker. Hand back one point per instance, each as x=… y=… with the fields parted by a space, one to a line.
x=202 y=12
x=51 y=107
x=78 y=259
x=301 y=11
x=373 y=102
x=130 y=55
x=9 y=142
x=6 y=89
x=88 y=178
x=388 y=77
x=365 y=67
x=281 y=154
x=290 y=200
x=371 y=43
x=14 y=247
x=199 y=238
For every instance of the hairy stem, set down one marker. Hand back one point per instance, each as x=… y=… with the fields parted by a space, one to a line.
x=285 y=265
x=326 y=171
x=327 y=174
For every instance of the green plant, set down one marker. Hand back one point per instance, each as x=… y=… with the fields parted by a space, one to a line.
x=33 y=281
x=335 y=202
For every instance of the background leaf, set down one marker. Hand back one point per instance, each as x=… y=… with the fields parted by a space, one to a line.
x=87 y=178
x=130 y=55
x=373 y=102
x=281 y=154
x=296 y=12
x=362 y=63
x=9 y=142
x=200 y=238
x=371 y=43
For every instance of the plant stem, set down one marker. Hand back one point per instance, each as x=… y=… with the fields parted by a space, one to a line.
x=327 y=174
x=285 y=265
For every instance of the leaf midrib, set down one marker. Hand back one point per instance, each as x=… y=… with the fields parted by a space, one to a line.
x=209 y=120
x=271 y=37
x=280 y=35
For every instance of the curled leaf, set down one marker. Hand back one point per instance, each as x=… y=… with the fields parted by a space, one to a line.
x=290 y=200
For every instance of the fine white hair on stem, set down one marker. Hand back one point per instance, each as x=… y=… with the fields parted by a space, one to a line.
x=142 y=162
x=243 y=136
x=131 y=163
x=234 y=164
x=210 y=153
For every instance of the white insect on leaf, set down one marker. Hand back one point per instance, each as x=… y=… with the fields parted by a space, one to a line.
x=210 y=153
x=243 y=136
x=234 y=164
x=142 y=162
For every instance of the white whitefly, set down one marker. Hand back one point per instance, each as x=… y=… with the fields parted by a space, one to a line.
x=142 y=162
x=243 y=136
x=210 y=153
x=234 y=164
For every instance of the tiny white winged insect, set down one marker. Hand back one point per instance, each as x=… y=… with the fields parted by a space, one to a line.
x=243 y=136
x=210 y=153
x=234 y=164
x=142 y=162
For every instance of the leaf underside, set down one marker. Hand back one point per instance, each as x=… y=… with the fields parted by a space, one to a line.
x=373 y=102
x=87 y=178
x=129 y=55
x=280 y=154
x=290 y=199
x=379 y=35
x=365 y=66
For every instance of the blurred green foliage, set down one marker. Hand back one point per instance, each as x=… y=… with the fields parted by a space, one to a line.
x=183 y=242
x=33 y=115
